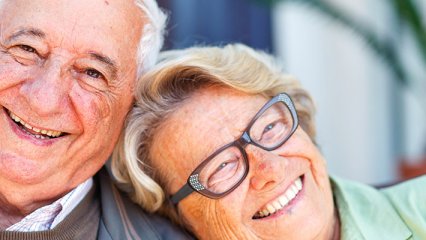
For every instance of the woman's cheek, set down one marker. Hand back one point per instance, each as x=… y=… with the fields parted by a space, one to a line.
x=221 y=224
x=319 y=169
x=210 y=220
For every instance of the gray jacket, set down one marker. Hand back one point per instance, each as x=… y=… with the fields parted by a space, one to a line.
x=123 y=219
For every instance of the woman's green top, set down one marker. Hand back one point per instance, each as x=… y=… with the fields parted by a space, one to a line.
x=397 y=212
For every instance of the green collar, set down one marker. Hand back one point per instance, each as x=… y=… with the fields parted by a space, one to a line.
x=366 y=213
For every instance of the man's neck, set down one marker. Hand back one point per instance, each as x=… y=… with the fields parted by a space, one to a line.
x=9 y=217
x=11 y=214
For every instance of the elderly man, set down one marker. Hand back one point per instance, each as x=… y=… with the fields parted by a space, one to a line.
x=67 y=70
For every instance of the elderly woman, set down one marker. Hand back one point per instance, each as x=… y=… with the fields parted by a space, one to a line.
x=221 y=141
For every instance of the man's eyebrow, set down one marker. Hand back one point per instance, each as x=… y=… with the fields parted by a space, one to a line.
x=34 y=32
x=106 y=60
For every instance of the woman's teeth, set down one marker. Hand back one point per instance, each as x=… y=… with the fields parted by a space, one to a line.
x=281 y=201
x=38 y=133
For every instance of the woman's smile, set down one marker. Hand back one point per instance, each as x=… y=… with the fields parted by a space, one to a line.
x=283 y=203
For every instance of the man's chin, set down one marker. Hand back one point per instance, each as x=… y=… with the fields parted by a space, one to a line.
x=23 y=171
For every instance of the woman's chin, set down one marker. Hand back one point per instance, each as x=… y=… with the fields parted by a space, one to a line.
x=303 y=216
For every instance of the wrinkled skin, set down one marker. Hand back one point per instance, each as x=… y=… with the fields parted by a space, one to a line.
x=215 y=116
x=67 y=66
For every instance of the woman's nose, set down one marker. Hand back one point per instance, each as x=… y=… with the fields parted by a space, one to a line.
x=268 y=168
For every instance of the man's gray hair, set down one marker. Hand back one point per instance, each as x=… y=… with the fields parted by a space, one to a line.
x=152 y=38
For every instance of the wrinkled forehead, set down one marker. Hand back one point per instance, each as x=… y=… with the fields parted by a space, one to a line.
x=91 y=12
x=109 y=26
x=219 y=109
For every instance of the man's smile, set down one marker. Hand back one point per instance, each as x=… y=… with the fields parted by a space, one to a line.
x=34 y=131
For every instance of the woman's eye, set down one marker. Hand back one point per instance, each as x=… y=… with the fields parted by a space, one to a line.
x=225 y=168
x=268 y=127
x=272 y=131
x=222 y=172
x=94 y=73
x=221 y=166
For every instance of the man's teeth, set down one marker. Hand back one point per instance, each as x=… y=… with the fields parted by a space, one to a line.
x=49 y=133
x=282 y=200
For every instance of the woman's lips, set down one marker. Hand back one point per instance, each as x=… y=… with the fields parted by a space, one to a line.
x=282 y=201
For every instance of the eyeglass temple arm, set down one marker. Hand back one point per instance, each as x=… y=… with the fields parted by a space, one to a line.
x=182 y=193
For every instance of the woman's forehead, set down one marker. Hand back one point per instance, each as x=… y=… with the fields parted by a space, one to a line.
x=211 y=118
x=228 y=103
x=219 y=108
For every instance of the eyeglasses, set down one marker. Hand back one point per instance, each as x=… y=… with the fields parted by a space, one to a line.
x=225 y=169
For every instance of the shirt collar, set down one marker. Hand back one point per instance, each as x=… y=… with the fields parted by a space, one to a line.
x=366 y=213
x=47 y=217
x=71 y=200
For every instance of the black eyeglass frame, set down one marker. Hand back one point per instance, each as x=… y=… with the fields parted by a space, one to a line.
x=194 y=185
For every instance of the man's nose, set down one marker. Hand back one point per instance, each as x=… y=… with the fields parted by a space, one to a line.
x=268 y=168
x=46 y=91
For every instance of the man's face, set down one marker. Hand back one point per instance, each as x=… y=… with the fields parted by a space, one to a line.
x=67 y=69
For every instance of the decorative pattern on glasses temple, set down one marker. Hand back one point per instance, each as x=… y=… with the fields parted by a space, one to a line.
x=193 y=180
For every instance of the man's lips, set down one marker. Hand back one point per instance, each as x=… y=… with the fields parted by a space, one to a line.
x=34 y=131
x=282 y=201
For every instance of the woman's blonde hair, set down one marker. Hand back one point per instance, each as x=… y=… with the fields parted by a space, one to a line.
x=177 y=75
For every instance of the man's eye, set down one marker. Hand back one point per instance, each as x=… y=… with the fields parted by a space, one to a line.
x=27 y=48
x=94 y=73
x=25 y=54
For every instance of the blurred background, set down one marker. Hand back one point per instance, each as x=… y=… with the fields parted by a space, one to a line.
x=364 y=62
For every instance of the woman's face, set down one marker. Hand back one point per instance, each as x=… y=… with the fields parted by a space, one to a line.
x=215 y=116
